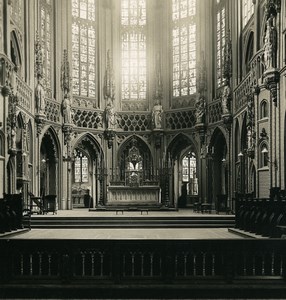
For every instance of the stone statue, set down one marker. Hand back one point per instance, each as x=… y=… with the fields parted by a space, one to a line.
x=40 y=96
x=66 y=109
x=225 y=100
x=13 y=138
x=200 y=109
x=157 y=113
x=270 y=44
x=110 y=114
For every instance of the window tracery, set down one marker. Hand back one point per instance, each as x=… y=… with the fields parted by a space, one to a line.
x=247 y=11
x=80 y=168
x=46 y=37
x=84 y=47
x=189 y=171
x=220 y=42
x=133 y=50
x=184 y=47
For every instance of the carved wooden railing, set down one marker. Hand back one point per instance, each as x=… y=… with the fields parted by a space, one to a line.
x=123 y=264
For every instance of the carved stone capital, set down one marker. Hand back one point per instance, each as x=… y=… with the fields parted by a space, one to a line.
x=158 y=135
x=40 y=121
x=271 y=78
x=227 y=121
x=67 y=130
x=5 y=91
x=109 y=135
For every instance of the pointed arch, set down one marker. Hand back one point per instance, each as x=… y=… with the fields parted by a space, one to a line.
x=53 y=142
x=180 y=143
x=248 y=50
x=136 y=145
x=87 y=186
x=16 y=53
x=49 y=164
x=90 y=140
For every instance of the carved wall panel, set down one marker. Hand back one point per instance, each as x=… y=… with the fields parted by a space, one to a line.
x=180 y=119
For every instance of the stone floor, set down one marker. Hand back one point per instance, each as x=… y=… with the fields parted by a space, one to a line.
x=84 y=212
x=119 y=234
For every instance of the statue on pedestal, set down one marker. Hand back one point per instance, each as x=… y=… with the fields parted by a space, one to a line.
x=200 y=109
x=157 y=113
x=110 y=115
x=225 y=100
x=270 y=44
x=40 y=96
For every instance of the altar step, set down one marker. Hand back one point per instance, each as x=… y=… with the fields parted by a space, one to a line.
x=144 y=221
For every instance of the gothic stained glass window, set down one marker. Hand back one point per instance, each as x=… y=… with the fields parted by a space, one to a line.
x=247 y=11
x=220 y=42
x=184 y=47
x=46 y=38
x=81 y=168
x=84 y=47
x=189 y=171
x=133 y=50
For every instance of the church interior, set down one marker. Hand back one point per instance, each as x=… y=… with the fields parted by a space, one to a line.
x=142 y=149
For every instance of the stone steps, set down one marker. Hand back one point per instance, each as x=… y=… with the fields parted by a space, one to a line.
x=143 y=221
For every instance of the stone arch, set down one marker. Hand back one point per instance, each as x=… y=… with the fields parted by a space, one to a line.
x=92 y=141
x=87 y=184
x=135 y=142
x=248 y=50
x=178 y=147
x=49 y=164
x=218 y=165
x=180 y=142
x=16 y=53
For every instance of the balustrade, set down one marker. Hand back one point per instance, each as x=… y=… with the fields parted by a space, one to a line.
x=106 y=262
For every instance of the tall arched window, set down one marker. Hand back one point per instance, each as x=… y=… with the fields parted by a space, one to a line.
x=247 y=11
x=264 y=109
x=133 y=50
x=264 y=157
x=80 y=167
x=189 y=171
x=46 y=38
x=249 y=52
x=84 y=47
x=184 y=47
x=220 y=41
